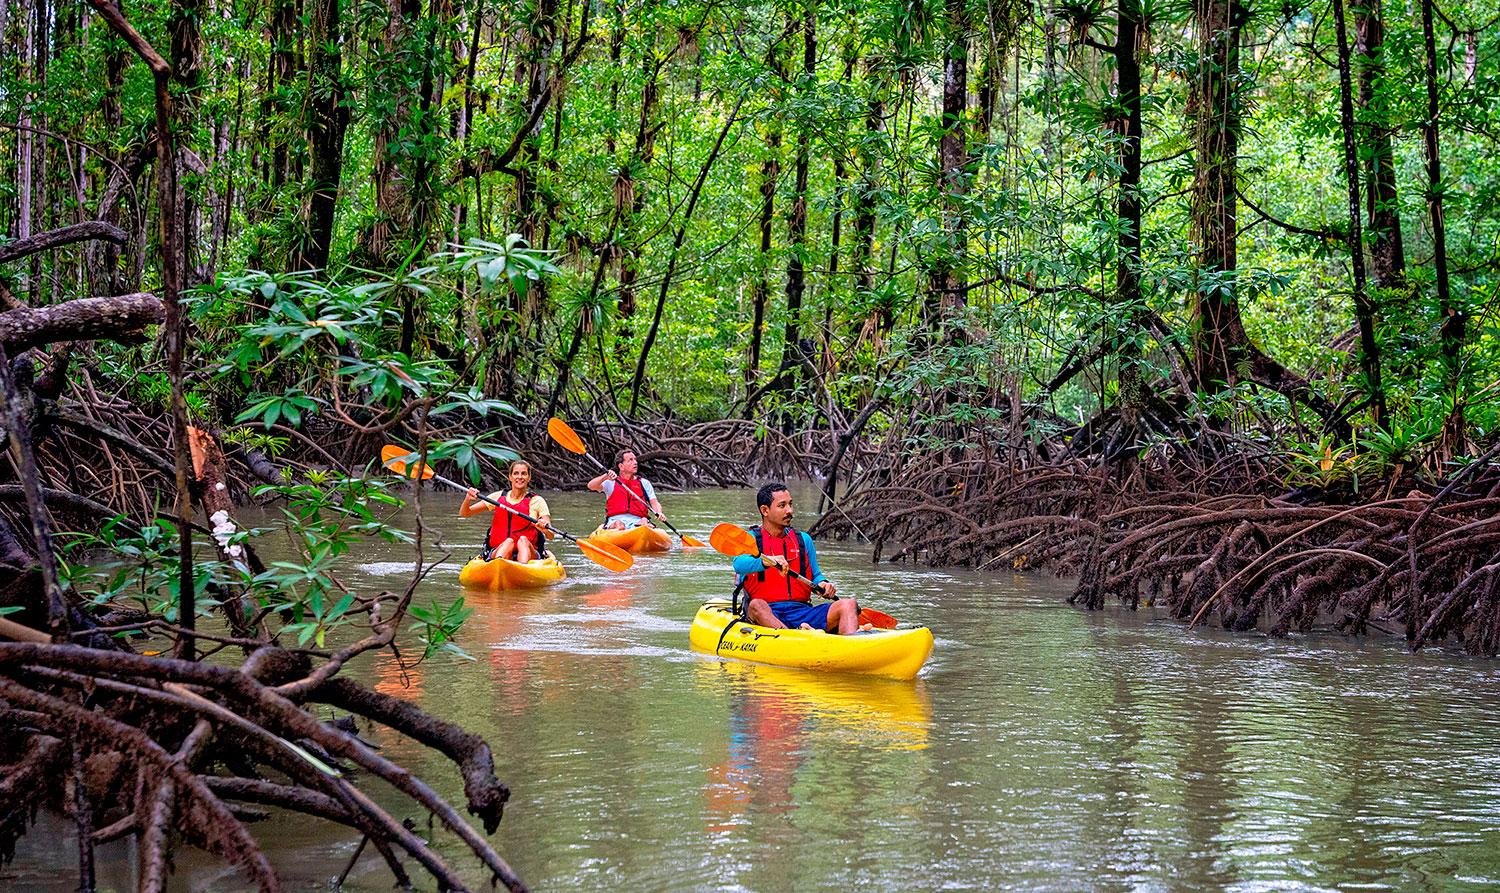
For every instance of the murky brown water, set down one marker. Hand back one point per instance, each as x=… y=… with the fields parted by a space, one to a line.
x=1042 y=748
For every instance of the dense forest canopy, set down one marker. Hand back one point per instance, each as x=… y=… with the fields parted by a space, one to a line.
x=796 y=208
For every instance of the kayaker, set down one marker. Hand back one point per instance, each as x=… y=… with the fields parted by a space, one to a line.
x=511 y=536
x=626 y=494
x=778 y=600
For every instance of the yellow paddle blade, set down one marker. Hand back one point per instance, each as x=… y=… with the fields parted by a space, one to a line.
x=689 y=542
x=394 y=457
x=565 y=436
x=603 y=554
x=731 y=540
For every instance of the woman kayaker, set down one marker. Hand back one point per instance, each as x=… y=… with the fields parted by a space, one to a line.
x=776 y=599
x=512 y=536
x=626 y=495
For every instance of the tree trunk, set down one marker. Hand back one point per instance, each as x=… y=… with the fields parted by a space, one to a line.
x=533 y=72
x=1454 y=319
x=666 y=280
x=1128 y=28
x=281 y=72
x=1218 y=331
x=630 y=198
x=390 y=235
x=1363 y=311
x=327 y=120
x=796 y=262
x=863 y=204
x=770 y=172
x=187 y=65
x=616 y=52
x=946 y=280
x=25 y=137
x=1382 y=202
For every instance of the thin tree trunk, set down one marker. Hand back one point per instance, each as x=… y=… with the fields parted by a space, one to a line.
x=41 y=148
x=1387 y=255
x=280 y=74
x=1453 y=318
x=1363 y=311
x=770 y=172
x=630 y=198
x=793 y=355
x=863 y=203
x=327 y=121
x=616 y=51
x=26 y=137
x=1218 y=330
x=1128 y=28
x=536 y=63
x=666 y=281
x=173 y=256
x=946 y=280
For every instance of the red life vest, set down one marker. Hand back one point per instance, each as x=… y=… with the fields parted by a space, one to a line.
x=774 y=586
x=505 y=525
x=619 y=501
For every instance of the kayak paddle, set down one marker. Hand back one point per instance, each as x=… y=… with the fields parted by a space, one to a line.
x=734 y=541
x=569 y=440
x=603 y=554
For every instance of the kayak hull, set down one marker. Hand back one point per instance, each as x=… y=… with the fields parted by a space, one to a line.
x=635 y=540
x=501 y=574
x=898 y=654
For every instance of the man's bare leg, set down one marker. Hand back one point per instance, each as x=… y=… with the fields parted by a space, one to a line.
x=843 y=616
x=761 y=614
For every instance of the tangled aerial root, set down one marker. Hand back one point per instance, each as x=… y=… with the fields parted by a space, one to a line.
x=157 y=746
x=1427 y=562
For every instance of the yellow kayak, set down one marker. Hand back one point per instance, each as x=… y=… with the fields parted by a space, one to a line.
x=635 y=539
x=503 y=573
x=898 y=653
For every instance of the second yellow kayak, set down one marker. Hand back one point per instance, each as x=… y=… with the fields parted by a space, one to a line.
x=502 y=573
x=898 y=653
x=634 y=539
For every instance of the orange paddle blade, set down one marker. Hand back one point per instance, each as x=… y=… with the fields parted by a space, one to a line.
x=732 y=541
x=607 y=556
x=877 y=619
x=565 y=436
x=689 y=542
x=394 y=457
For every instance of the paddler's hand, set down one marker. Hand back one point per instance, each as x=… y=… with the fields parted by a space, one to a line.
x=829 y=589
x=776 y=561
x=611 y=476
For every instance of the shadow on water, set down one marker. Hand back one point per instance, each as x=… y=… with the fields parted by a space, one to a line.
x=1042 y=748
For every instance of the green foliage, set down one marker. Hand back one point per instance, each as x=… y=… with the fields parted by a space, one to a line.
x=437 y=625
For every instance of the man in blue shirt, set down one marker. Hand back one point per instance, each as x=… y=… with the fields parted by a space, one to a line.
x=776 y=599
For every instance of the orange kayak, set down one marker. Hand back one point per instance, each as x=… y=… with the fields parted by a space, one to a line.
x=635 y=540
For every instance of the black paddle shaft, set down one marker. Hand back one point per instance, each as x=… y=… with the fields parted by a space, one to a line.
x=815 y=587
x=456 y=486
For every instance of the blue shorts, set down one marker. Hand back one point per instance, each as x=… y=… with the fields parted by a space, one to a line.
x=794 y=614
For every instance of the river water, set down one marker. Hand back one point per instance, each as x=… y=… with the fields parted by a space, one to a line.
x=1042 y=748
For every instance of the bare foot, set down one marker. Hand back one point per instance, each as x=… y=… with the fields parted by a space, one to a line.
x=806 y=626
x=866 y=627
